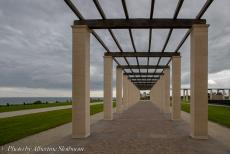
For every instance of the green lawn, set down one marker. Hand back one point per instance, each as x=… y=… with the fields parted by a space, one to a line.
x=14 y=128
x=17 y=107
x=217 y=114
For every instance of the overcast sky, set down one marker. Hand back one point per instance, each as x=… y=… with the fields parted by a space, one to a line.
x=35 y=43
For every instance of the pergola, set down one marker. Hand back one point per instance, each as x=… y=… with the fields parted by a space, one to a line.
x=130 y=81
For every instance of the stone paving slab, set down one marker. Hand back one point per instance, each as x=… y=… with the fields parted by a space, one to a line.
x=143 y=129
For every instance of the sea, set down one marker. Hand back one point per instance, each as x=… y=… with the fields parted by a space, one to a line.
x=21 y=100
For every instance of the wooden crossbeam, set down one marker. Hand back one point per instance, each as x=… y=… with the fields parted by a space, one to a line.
x=160 y=23
x=141 y=54
x=142 y=66
x=147 y=78
x=144 y=74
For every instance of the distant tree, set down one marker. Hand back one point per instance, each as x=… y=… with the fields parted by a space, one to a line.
x=37 y=102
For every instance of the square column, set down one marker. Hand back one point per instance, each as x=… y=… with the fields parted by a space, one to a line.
x=119 y=84
x=183 y=95
x=187 y=95
x=176 y=85
x=229 y=94
x=108 y=91
x=199 y=81
x=223 y=94
x=125 y=92
x=210 y=94
x=166 y=91
x=80 y=81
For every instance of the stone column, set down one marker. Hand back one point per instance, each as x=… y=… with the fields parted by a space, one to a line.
x=186 y=98
x=125 y=92
x=176 y=86
x=166 y=91
x=119 y=83
x=229 y=94
x=183 y=94
x=108 y=73
x=210 y=94
x=129 y=93
x=80 y=81
x=161 y=94
x=199 y=81
x=223 y=94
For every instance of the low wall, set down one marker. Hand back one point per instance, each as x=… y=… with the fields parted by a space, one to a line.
x=220 y=102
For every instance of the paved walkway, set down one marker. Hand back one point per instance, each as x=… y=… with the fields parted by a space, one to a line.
x=220 y=133
x=29 y=111
x=140 y=129
x=46 y=138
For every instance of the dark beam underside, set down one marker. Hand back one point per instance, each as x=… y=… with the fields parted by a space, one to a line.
x=145 y=88
x=142 y=66
x=139 y=23
x=141 y=54
x=144 y=73
x=144 y=83
x=143 y=78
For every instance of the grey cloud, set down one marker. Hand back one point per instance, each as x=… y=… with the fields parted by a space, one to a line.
x=35 y=42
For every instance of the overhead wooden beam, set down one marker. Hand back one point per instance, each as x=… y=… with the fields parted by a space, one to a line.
x=140 y=80
x=144 y=88
x=142 y=66
x=160 y=23
x=141 y=54
x=144 y=83
x=144 y=78
x=144 y=73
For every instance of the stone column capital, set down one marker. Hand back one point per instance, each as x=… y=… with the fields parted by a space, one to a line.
x=200 y=27
x=80 y=29
x=107 y=56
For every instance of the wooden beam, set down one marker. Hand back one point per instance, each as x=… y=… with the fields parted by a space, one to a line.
x=161 y=23
x=146 y=78
x=142 y=66
x=143 y=73
x=141 y=54
x=144 y=83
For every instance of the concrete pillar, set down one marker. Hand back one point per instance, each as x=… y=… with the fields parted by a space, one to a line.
x=130 y=92
x=210 y=94
x=186 y=97
x=161 y=94
x=183 y=94
x=125 y=92
x=176 y=86
x=108 y=74
x=199 y=81
x=229 y=94
x=223 y=94
x=119 y=83
x=80 y=81
x=166 y=91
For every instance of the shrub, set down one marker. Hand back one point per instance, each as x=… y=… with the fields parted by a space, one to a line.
x=37 y=102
